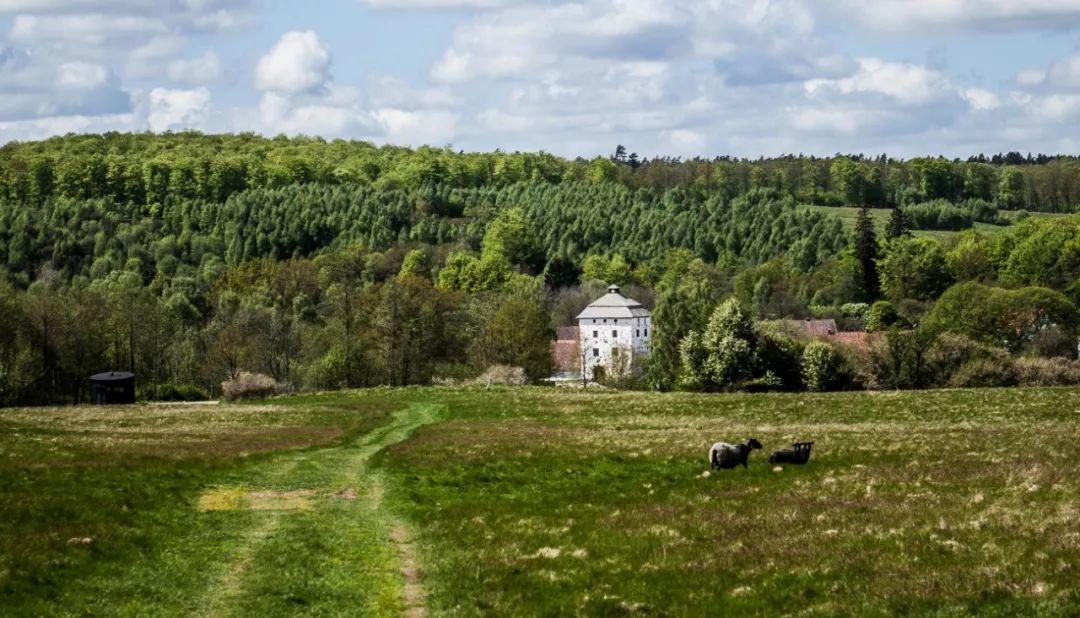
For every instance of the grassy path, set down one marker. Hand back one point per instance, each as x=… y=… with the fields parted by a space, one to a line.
x=320 y=539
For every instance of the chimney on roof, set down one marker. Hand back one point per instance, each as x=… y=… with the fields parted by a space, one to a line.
x=613 y=289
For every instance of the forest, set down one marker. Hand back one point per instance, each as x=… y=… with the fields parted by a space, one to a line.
x=299 y=263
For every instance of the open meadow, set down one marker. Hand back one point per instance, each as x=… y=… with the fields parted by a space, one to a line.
x=539 y=501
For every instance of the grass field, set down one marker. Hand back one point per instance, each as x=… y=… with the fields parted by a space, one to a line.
x=880 y=216
x=544 y=502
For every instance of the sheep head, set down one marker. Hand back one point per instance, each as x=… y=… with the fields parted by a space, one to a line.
x=753 y=444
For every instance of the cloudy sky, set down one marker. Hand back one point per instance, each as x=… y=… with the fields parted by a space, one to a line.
x=574 y=77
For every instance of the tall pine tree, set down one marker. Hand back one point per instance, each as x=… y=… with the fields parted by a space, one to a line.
x=866 y=250
x=898 y=225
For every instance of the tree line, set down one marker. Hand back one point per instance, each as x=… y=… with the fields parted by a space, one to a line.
x=149 y=169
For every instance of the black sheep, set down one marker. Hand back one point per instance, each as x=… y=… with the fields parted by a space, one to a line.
x=726 y=456
x=799 y=454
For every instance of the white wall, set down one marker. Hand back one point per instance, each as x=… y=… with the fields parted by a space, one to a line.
x=601 y=336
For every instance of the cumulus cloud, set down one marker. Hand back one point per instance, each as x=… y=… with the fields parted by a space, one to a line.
x=907 y=83
x=415 y=128
x=171 y=110
x=36 y=86
x=298 y=63
x=518 y=41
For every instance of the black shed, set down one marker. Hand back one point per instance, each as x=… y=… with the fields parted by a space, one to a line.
x=113 y=387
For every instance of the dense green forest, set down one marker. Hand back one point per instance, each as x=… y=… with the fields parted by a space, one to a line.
x=148 y=169
x=194 y=259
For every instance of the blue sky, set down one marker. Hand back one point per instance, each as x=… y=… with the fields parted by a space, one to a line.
x=574 y=77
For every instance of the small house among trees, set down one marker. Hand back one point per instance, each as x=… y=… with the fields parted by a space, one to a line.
x=614 y=334
x=113 y=387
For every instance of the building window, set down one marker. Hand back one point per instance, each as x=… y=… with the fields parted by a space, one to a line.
x=615 y=334
x=646 y=332
x=595 y=352
x=637 y=333
x=596 y=334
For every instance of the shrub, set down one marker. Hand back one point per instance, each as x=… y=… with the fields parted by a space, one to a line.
x=1051 y=342
x=857 y=311
x=777 y=358
x=504 y=375
x=181 y=392
x=821 y=367
x=882 y=316
x=951 y=352
x=938 y=215
x=983 y=211
x=1046 y=372
x=984 y=373
x=247 y=385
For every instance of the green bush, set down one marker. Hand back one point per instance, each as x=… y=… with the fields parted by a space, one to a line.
x=181 y=392
x=882 y=316
x=777 y=357
x=938 y=215
x=822 y=367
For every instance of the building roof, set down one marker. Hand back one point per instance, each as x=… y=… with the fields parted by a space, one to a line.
x=860 y=340
x=614 y=305
x=112 y=376
x=813 y=328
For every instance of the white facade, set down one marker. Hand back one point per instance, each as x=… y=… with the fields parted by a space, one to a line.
x=615 y=332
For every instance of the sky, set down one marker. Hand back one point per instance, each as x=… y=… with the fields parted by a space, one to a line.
x=683 y=78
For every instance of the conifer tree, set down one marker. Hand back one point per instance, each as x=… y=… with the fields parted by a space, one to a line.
x=898 y=225
x=866 y=250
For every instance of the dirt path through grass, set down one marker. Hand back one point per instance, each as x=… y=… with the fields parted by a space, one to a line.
x=320 y=538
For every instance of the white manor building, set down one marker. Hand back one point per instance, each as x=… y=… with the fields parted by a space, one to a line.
x=614 y=331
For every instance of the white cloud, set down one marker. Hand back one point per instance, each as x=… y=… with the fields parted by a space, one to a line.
x=283 y=114
x=93 y=30
x=982 y=100
x=438 y=4
x=41 y=128
x=416 y=128
x=1057 y=108
x=683 y=142
x=37 y=86
x=1064 y=74
x=388 y=92
x=204 y=69
x=298 y=63
x=907 y=83
x=81 y=75
x=171 y=110
x=920 y=16
x=518 y=41
x=1030 y=77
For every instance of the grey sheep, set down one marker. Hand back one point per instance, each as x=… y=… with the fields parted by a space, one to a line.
x=726 y=456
